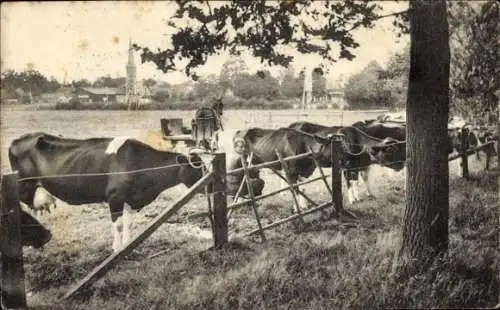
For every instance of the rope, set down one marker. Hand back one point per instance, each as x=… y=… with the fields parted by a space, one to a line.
x=393 y=143
x=367 y=166
x=56 y=176
x=368 y=136
x=363 y=149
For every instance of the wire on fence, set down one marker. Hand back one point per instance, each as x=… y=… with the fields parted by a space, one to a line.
x=367 y=166
x=56 y=176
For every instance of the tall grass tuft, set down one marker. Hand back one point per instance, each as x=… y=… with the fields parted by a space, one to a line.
x=321 y=268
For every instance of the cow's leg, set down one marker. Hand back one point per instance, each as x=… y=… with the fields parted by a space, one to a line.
x=117 y=226
x=355 y=187
x=303 y=203
x=350 y=198
x=128 y=214
x=284 y=194
x=350 y=195
x=366 y=180
x=115 y=196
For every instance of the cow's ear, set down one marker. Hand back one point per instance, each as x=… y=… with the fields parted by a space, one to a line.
x=321 y=139
x=182 y=159
x=42 y=143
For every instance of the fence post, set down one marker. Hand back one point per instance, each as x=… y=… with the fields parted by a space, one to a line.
x=336 y=148
x=13 y=288
x=220 y=200
x=464 y=142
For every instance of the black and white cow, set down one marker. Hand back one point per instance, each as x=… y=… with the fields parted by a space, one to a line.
x=99 y=170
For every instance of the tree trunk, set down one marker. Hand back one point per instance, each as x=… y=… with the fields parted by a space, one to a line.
x=425 y=228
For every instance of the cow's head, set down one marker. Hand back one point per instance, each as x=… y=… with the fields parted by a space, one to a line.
x=322 y=149
x=43 y=200
x=240 y=146
x=23 y=153
x=390 y=153
x=457 y=137
x=32 y=232
x=190 y=168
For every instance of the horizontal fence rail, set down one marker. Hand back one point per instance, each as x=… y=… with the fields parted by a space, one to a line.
x=290 y=218
x=145 y=233
x=270 y=163
x=471 y=151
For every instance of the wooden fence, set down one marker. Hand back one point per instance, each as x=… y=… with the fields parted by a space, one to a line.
x=12 y=285
x=12 y=280
x=251 y=200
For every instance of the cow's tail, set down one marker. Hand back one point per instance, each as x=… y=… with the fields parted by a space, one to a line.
x=14 y=165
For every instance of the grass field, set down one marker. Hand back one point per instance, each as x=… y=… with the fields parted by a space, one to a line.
x=322 y=265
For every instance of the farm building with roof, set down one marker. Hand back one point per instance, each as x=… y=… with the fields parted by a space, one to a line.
x=98 y=94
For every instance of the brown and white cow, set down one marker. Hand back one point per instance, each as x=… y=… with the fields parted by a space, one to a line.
x=366 y=143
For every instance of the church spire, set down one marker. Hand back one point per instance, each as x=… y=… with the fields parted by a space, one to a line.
x=131 y=88
x=131 y=69
x=131 y=61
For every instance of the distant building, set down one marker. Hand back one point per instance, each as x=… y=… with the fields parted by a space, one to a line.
x=87 y=95
x=132 y=93
x=336 y=98
x=135 y=92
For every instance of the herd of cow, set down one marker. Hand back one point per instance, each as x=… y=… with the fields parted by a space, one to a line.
x=128 y=174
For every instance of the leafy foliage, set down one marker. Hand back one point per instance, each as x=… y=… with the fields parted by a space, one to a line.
x=248 y=85
x=475 y=74
x=229 y=70
x=81 y=83
x=394 y=80
x=263 y=26
x=364 y=89
x=107 y=81
x=16 y=84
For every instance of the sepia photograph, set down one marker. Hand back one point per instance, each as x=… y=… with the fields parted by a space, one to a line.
x=250 y=154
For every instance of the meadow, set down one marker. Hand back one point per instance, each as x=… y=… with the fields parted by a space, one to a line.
x=320 y=265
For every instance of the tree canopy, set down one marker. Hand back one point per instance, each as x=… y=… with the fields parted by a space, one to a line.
x=363 y=89
x=266 y=28
x=475 y=74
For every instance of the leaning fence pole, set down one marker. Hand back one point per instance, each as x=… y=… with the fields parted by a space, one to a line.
x=464 y=137
x=252 y=198
x=13 y=289
x=284 y=166
x=220 y=228
x=114 y=258
x=320 y=169
x=336 y=148
x=295 y=187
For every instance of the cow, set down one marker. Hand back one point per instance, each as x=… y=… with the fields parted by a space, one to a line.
x=266 y=144
x=475 y=136
x=484 y=136
x=234 y=180
x=396 y=117
x=366 y=142
x=33 y=233
x=122 y=172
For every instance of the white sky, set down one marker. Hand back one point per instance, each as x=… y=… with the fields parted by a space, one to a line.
x=74 y=40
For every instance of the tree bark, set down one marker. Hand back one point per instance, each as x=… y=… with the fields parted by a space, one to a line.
x=425 y=227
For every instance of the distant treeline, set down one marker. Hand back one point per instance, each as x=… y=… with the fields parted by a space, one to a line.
x=229 y=103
